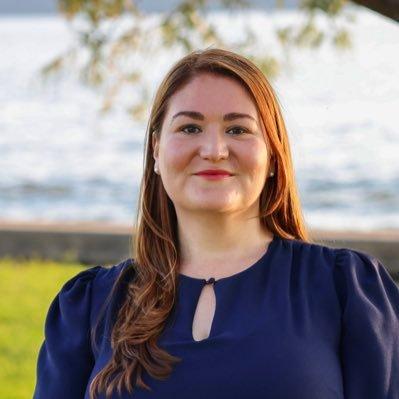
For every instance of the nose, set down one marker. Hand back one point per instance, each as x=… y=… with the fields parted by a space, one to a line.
x=214 y=145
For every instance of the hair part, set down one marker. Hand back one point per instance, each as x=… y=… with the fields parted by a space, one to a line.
x=151 y=295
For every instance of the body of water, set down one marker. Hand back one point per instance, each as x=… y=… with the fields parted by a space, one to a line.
x=60 y=161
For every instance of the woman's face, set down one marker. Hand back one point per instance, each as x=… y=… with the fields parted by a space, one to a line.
x=202 y=130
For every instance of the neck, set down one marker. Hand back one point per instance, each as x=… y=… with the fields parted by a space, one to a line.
x=219 y=244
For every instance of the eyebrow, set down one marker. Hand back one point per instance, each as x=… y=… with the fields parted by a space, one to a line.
x=227 y=117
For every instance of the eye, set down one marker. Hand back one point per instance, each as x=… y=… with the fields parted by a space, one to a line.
x=239 y=128
x=183 y=128
x=187 y=128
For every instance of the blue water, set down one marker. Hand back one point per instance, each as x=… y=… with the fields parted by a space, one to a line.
x=61 y=161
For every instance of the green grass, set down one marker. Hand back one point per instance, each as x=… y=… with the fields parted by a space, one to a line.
x=27 y=289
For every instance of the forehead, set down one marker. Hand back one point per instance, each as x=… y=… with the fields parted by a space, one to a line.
x=212 y=94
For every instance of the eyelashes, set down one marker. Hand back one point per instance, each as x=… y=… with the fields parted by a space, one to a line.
x=234 y=128
x=184 y=127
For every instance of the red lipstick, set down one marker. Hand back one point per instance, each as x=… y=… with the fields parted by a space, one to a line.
x=214 y=174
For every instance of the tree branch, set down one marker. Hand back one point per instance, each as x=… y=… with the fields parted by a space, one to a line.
x=388 y=8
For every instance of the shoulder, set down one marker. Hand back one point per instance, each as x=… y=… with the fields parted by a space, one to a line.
x=90 y=288
x=305 y=252
x=334 y=256
x=358 y=276
x=361 y=274
x=342 y=262
x=106 y=276
x=108 y=282
x=102 y=277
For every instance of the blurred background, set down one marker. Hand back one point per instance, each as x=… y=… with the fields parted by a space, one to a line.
x=77 y=79
x=62 y=161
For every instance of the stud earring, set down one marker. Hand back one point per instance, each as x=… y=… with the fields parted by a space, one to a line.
x=271 y=174
x=156 y=170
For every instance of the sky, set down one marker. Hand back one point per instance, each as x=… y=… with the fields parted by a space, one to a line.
x=19 y=7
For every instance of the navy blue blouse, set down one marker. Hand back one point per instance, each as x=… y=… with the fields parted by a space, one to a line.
x=305 y=321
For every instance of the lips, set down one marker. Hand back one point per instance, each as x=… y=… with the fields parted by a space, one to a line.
x=214 y=172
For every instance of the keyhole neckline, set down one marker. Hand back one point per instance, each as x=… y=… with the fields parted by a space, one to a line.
x=211 y=280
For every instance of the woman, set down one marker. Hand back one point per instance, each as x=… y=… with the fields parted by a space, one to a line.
x=225 y=296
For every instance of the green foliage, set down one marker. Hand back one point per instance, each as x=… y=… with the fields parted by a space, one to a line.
x=111 y=53
x=96 y=10
x=331 y=7
x=342 y=39
x=27 y=289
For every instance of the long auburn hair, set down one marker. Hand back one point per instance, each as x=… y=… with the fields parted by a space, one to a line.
x=150 y=296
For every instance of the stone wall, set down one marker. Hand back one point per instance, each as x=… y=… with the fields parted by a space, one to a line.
x=93 y=243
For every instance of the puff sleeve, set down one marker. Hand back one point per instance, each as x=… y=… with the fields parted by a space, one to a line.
x=65 y=358
x=369 y=350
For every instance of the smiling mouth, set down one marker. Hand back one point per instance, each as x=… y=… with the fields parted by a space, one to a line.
x=214 y=172
x=214 y=176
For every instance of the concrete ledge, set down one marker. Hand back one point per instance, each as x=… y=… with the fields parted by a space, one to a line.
x=87 y=243
x=94 y=243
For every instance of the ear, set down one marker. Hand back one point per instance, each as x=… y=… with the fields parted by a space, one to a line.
x=155 y=145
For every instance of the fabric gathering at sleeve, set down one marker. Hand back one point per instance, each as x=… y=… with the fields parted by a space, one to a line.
x=65 y=358
x=369 y=348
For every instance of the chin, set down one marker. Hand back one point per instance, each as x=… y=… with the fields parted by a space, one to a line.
x=211 y=206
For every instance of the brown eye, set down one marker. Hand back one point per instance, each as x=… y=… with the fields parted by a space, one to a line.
x=186 y=127
x=243 y=130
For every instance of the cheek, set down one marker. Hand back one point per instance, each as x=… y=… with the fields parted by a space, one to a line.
x=254 y=157
x=176 y=154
